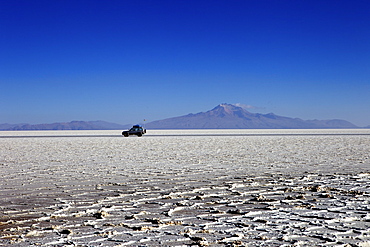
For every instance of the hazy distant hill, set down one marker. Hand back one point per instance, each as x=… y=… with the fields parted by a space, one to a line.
x=227 y=116
x=74 y=125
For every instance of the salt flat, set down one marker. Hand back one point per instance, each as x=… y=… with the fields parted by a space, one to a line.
x=183 y=188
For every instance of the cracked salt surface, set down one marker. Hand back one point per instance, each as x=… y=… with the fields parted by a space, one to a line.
x=260 y=188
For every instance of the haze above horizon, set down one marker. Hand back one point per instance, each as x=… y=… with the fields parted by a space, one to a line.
x=125 y=61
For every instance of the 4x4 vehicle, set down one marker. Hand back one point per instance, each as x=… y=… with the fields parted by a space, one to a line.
x=135 y=130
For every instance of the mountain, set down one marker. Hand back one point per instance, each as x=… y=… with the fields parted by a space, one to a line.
x=74 y=125
x=223 y=116
x=228 y=116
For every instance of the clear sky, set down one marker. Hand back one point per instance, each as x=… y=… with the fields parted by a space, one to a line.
x=124 y=61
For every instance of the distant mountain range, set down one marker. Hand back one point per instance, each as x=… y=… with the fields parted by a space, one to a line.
x=74 y=125
x=228 y=116
x=223 y=116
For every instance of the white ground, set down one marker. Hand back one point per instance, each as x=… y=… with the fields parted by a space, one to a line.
x=189 y=187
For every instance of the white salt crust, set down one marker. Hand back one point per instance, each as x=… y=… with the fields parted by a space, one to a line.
x=184 y=188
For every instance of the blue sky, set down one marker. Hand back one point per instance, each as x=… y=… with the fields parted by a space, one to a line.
x=125 y=61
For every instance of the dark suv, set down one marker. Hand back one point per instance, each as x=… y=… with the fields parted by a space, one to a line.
x=135 y=130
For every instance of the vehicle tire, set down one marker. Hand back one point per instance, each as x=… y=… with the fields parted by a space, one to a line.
x=139 y=135
x=125 y=135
